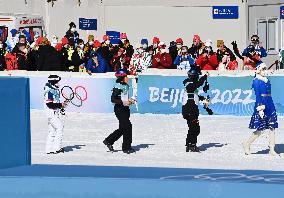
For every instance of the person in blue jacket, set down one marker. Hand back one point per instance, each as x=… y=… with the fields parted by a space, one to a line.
x=264 y=116
x=97 y=64
x=257 y=47
x=184 y=60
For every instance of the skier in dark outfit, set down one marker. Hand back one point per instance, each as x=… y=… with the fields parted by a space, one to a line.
x=120 y=99
x=190 y=110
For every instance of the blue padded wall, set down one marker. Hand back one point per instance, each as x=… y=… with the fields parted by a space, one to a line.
x=15 y=136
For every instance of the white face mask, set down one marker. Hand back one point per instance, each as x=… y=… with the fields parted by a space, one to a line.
x=25 y=50
x=163 y=51
x=179 y=46
x=123 y=40
x=107 y=42
x=144 y=46
x=55 y=41
x=17 y=35
x=91 y=42
x=81 y=46
x=73 y=29
x=155 y=45
x=263 y=73
x=140 y=50
x=1 y=45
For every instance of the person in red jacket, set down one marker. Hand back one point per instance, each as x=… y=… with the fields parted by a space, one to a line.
x=208 y=59
x=162 y=60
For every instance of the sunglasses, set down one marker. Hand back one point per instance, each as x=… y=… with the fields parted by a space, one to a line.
x=254 y=40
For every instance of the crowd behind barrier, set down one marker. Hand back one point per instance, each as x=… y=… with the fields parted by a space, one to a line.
x=25 y=50
x=159 y=91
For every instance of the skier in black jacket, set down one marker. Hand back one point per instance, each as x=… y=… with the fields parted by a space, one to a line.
x=190 y=110
x=120 y=99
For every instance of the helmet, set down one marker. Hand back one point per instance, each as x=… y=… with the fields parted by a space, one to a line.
x=53 y=79
x=121 y=73
x=194 y=71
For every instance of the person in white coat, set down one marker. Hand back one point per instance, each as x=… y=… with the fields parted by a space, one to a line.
x=53 y=108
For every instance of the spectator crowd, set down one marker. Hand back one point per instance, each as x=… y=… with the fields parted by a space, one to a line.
x=22 y=51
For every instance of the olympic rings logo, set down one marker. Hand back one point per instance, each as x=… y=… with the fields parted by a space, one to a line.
x=75 y=96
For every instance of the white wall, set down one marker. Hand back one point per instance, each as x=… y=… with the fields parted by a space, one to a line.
x=166 y=19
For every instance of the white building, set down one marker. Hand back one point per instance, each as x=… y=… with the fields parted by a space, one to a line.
x=167 y=19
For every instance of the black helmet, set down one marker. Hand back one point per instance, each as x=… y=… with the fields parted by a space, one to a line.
x=53 y=79
x=194 y=71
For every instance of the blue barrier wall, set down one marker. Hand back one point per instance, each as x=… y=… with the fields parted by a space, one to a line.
x=229 y=95
x=15 y=146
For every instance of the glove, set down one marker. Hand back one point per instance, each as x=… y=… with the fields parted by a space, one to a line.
x=260 y=110
x=261 y=114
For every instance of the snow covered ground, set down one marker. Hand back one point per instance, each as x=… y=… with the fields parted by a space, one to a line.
x=159 y=141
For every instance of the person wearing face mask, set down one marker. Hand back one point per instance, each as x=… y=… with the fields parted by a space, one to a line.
x=179 y=44
x=22 y=56
x=140 y=61
x=89 y=45
x=3 y=52
x=120 y=60
x=63 y=54
x=197 y=47
x=190 y=111
x=48 y=57
x=54 y=41
x=208 y=59
x=226 y=58
x=107 y=49
x=144 y=43
x=97 y=64
x=265 y=115
x=53 y=108
x=184 y=61
x=125 y=43
x=162 y=60
x=153 y=49
x=77 y=58
x=259 y=49
x=72 y=35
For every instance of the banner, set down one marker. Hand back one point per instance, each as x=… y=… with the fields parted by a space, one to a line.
x=95 y=93
x=281 y=12
x=225 y=12
x=15 y=133
x=229 y=95
x=88 y=24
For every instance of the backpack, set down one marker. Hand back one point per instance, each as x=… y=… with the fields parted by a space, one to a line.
x=11 y=61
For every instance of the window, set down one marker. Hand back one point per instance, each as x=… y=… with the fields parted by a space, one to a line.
x=267 y=32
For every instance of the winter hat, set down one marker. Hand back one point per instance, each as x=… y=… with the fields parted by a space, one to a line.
x=91 y=37
x=64 y=41
x=196 y=37
x=39 y=40
x=106 y=37
x=53 y=79
x=208 y=43
x=219 y=43
x=97 y=43
x=179 y=40
x=13 y=32
x=144 y=41
x=123 y=36
x=156 y=40
x=58 y=47
x=45 y=41
x=72 y=24
x=138 y=45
